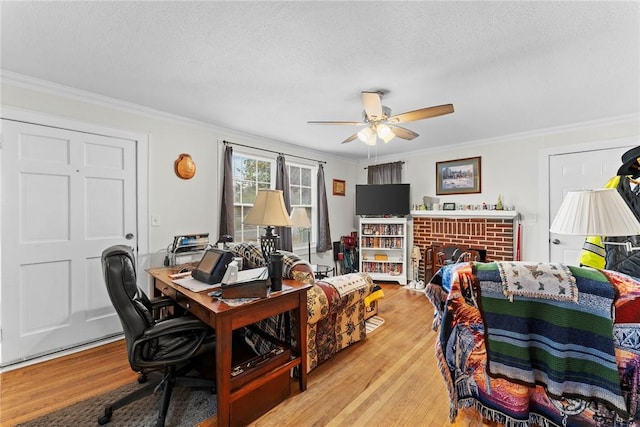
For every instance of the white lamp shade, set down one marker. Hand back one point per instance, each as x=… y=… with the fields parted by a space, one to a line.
x=595 y=213
x=300 y=218
x=269 y=209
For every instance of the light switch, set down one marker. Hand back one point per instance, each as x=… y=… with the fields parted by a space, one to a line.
x=155 y=220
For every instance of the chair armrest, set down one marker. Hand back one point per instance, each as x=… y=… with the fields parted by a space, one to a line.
x=174 y=325
x=171 y=326
x=317 y=304
x=159 y=302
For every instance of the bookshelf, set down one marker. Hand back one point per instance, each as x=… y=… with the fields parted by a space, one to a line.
x=383 y=249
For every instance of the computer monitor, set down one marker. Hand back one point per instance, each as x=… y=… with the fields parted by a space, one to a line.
x=212 y=266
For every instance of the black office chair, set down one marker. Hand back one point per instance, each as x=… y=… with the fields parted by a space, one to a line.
x=164 y=346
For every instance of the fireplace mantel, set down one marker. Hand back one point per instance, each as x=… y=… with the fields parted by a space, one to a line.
x=465 y=214
x=496 y=232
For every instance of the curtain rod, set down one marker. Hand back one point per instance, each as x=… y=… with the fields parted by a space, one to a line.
x=271 y=151
x=390 y=163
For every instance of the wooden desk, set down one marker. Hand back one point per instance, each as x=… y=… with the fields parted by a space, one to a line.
x=224 y=319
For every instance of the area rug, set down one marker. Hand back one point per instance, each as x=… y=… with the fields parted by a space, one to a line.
x=373 y=323
x=187 y=408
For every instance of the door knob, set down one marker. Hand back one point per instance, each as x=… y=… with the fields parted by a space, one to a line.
x=555 y=241
x=129 y=236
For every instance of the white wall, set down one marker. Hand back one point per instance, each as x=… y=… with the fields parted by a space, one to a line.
x=510 y=167
x=183 y=206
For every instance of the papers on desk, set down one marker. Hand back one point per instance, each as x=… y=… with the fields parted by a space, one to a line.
x=249 y=275
x=195 y=285
x=243 y=276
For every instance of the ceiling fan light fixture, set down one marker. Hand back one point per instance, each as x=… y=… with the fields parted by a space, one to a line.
x=379 y=122
x=364 y=135
x=385 y=133
x=372 y=140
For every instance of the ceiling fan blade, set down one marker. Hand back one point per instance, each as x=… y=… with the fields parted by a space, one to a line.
x=351 y=138
x=335 y=123
x=423 y=113
x=403 y=133
x=372 y=105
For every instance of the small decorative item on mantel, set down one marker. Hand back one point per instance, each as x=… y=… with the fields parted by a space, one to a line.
x=499 y=205
x=184 y=167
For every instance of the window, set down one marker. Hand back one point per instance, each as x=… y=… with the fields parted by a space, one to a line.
x=302 y=191
x=253 y=173
x=250 y=174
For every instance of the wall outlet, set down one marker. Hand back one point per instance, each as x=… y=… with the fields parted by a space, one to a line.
x=155 y=220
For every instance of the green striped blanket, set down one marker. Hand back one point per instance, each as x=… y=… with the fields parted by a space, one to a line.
x=567 y=347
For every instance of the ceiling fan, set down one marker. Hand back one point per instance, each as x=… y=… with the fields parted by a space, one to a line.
x=380 y=123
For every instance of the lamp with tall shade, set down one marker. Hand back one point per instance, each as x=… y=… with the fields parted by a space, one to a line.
x=300 y=219
x=601 y=212
x=270 y=211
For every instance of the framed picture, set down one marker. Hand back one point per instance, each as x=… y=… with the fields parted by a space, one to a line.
x=448 y=206
x=461 y=176
x=339 y=187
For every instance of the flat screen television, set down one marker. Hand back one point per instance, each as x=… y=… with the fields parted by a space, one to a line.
x=383 y=199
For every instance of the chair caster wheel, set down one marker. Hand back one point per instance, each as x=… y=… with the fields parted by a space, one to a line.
x=142 y=379
x=106 y=417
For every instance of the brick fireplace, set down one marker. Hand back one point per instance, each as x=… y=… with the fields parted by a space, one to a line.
x=491 y=232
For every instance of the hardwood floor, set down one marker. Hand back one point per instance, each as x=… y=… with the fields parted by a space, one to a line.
x=389 y=379
x=33 y=391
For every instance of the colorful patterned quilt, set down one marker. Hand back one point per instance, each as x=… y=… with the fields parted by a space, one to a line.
x=541 y=361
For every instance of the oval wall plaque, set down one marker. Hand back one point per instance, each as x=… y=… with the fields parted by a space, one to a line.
x=184 y=166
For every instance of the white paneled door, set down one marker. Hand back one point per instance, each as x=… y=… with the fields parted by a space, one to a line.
x=66 y=196
x=582 y=170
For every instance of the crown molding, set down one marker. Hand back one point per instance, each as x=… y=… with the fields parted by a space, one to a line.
x=627 y=118
x=32 y=83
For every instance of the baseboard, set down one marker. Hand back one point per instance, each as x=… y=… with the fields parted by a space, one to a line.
x=60 y=353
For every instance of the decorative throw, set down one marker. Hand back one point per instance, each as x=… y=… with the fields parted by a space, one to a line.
x=538 y=280
x=293 y=266
x=346 y=283
x=463 y=347
x=566 y=347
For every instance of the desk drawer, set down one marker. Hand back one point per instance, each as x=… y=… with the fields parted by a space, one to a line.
x=166 y=290
x=194 y=308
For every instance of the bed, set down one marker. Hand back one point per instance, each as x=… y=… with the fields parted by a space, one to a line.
x=542 y=344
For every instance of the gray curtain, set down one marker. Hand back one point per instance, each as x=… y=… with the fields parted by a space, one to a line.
x=387 y=173
x=282 y=183
x=226 y=206
x=324 y=233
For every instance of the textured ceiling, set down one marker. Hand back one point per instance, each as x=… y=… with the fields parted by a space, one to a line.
x=266 y=68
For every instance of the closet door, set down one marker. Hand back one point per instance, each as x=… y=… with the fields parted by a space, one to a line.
x=67 y=195
x=583 y=170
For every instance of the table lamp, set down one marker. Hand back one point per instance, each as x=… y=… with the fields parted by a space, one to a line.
x=300 y=219
x=269 y=210
x=600 y=212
